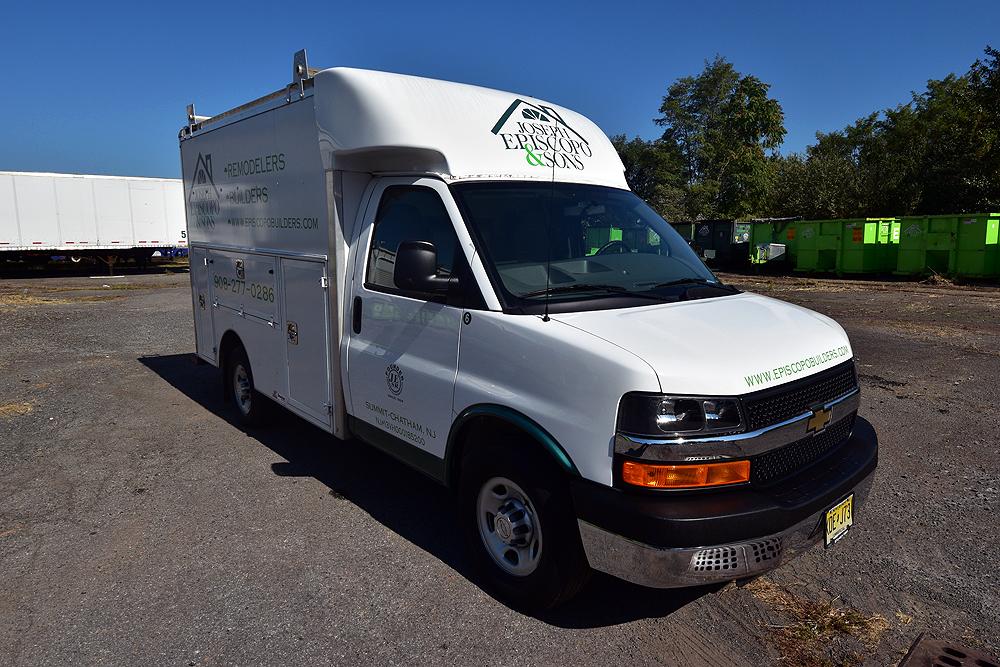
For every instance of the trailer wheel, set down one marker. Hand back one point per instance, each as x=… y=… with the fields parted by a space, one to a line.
x=250 y=404
x=519 y=526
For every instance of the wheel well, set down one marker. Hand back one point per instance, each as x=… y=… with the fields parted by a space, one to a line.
x=492 y=422
x=230 y=341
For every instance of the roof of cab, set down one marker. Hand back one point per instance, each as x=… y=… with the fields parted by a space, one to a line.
x=377 y=121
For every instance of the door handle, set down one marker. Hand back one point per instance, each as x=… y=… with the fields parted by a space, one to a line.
x=356 y=315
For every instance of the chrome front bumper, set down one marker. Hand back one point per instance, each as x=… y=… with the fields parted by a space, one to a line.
x=675 y=568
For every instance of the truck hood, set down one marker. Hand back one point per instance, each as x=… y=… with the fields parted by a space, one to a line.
x=724 y=346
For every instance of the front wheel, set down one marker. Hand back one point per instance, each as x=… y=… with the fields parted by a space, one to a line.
x=520 y=528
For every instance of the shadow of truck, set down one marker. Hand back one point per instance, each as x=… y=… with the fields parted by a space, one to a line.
x=344 y=467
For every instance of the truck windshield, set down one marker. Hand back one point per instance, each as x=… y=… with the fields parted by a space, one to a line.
x=581 y=247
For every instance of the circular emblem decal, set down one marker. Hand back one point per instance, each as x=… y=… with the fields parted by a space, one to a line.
x=394 y=379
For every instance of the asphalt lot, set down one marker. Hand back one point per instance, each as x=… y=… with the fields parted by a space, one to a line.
x=139 y=525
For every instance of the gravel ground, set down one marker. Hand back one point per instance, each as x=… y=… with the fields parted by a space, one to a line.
x=139 y=525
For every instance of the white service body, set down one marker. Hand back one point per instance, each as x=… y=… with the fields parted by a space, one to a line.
x=289 y=189
x=78 y=213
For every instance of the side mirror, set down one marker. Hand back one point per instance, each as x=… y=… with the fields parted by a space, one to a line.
x=415 y=269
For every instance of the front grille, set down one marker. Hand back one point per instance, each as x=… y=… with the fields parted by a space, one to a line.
x=771 y=406
x=775 y=465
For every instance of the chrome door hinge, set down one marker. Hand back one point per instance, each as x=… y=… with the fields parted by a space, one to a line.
x=324 y=282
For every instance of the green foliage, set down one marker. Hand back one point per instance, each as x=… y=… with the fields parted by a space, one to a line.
x=717 y=158
x=721 y=124
x=939 y=153
x=653 y=172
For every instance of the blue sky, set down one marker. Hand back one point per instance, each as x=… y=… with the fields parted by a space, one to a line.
x=101 y=87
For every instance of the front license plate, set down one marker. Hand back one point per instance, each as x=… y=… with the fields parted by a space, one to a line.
x=839 y=519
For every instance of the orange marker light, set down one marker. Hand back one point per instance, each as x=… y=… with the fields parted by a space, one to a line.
x=685 y=476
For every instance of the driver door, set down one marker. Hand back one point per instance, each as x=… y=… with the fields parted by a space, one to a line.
x=403 y=351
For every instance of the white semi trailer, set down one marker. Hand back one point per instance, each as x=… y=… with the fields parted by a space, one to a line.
x=105 y=217
x=462 y=278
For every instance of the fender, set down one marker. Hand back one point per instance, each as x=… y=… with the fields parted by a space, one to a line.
x=514 y=418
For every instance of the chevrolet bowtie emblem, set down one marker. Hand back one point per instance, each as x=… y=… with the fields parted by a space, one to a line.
x=820 y=419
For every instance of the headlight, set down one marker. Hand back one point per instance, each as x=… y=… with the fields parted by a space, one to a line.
x=657 y=415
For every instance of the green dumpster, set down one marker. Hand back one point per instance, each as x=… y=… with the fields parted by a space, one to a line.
x=788 y=233
x=819 y=244
x=978 y=252
x=960 y=245
x=598 y=237
x=685 y=229
x=868 y=245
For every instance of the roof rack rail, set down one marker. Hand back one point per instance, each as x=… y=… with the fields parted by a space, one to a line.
x=302 y=76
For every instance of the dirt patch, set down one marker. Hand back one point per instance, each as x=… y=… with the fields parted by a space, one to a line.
x=4 y=532
x=881 y=382
x=11 y=410
x=14 y=300
x=818 y=634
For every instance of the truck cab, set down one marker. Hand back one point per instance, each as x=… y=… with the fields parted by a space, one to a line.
x=462 y=278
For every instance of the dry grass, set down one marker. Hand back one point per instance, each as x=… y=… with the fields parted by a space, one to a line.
x=937 y=279
x=11 y=410
x=22 y=300
x=808 y=638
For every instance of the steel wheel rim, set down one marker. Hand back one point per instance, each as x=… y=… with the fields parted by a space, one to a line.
x=509 y=527
x=242 y=389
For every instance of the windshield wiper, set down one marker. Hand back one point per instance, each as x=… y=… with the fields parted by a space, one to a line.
x=695 y=281
x=589 y=287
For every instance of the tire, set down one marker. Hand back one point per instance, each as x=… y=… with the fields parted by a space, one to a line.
x=529 y=553
x=251 y=405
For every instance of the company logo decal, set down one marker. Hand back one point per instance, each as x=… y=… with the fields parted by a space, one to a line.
x=913 y=230
x=202 y=184
x=394 y=379
x=203 y=196
x=543 y=136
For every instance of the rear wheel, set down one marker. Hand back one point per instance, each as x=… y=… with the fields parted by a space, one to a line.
x=250 y=404
x=519 y=526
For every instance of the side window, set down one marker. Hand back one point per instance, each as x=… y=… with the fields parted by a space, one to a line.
x=408 y=213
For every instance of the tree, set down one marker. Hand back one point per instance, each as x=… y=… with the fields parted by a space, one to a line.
x=819 y=186
x=721 y=125
x=984 y=81
x=653 y=172
x=939 y=153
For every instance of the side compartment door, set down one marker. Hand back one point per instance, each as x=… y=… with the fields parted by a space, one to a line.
x=307 y=337
x=201 y=297
x=403 y=350
x=245 y=300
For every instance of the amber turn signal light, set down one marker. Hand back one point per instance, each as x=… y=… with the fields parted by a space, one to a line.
x=685 y=476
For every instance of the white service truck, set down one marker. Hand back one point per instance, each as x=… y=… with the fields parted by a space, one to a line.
x=109 y=218
x=462 y=278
